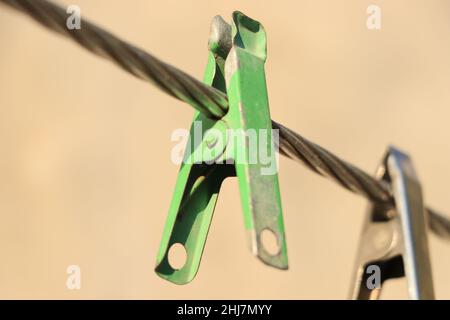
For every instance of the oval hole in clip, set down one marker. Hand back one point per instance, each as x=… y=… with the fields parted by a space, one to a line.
x=269 y=241
x=177 y=256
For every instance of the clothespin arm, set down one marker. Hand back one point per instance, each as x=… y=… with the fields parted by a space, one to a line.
x=395 y=240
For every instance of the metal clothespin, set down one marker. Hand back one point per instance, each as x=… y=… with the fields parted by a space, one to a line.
x=394 y=241
x=235 y=66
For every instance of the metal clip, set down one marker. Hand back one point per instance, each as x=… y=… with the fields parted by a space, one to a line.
x=239 y=52
x=394 y=242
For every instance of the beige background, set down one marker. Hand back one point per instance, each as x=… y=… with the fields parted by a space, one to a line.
x=85 y=170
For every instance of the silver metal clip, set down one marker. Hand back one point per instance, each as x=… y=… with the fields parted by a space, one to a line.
x=394 y=241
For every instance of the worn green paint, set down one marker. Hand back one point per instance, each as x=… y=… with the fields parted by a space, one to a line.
x=198 y=184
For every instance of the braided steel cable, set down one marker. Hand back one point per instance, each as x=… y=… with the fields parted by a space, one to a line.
x=325 y=163
x=141 y=64
x=212 y=102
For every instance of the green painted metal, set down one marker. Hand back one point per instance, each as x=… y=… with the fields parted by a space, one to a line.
x=236 y=67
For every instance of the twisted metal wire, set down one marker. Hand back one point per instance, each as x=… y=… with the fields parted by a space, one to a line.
x=212 y=102
x=347 y=175
x=141 y=64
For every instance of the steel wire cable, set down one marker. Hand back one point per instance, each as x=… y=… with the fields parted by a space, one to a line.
x=212 y=102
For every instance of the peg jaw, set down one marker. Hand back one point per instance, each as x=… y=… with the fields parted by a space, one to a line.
x=394 y=242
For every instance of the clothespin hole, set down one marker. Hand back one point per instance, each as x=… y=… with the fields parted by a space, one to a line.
x=177 y=256
x=269 y=241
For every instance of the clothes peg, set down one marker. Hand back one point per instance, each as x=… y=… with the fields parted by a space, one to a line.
x=394 y=241
x=235 y=66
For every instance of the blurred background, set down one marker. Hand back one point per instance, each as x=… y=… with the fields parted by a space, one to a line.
x=85 y=172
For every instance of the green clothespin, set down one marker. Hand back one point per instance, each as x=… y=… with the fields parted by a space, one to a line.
x=239 y=144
